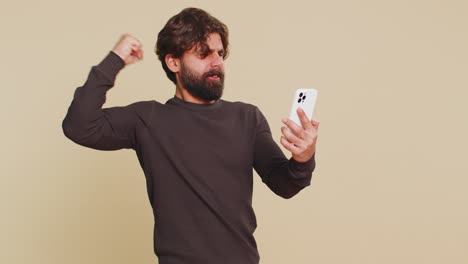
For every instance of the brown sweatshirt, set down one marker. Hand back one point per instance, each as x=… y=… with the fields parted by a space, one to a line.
x=198 y=161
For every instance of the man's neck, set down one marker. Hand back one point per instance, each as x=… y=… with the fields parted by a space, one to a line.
x=186 y=96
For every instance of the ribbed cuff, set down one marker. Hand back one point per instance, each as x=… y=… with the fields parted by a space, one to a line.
x=303 y=166
x=111 y=64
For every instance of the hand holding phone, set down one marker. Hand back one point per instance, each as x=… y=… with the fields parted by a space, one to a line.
x=300 y=137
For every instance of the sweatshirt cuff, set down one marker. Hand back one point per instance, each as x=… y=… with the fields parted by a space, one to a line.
x=111 y=64
x=303 y=166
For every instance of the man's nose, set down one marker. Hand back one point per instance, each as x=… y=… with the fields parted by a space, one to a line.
x=217 y=60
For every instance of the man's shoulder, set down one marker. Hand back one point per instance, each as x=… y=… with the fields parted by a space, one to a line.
x=144 y=109
x=249 y=110
x=240 y=105
x=144 y=104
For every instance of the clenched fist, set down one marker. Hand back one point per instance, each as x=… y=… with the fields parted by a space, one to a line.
x=129 y=49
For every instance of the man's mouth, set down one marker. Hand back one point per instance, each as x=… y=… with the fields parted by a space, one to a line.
x=214 y=77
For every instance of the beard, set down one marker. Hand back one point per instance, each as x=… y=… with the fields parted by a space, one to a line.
x=200 y=86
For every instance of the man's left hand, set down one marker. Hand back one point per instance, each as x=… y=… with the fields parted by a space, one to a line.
x=299 y=140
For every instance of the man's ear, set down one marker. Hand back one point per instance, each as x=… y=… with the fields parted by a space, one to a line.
x=172 y=63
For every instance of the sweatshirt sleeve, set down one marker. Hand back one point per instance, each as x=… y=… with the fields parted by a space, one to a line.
x=285 y=177
x=88 y=124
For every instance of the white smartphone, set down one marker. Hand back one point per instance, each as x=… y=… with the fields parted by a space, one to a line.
x=305 y=99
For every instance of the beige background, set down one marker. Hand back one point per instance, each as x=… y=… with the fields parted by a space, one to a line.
x=391 y=178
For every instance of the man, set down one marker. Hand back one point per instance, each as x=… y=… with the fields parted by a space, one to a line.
x=197 y=151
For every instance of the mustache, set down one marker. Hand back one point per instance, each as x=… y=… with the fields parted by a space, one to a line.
x=218 y=72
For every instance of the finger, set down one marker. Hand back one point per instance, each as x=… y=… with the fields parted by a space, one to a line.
x=140 y=54
x=295 y=128
x=139 y=43
x=291 y=137
x=315 y=124
x=288 y=145
x=304 y=119
x=135 y=45
x=134 y=53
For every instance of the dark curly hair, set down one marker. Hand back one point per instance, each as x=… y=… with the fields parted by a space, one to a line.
x=186 y=30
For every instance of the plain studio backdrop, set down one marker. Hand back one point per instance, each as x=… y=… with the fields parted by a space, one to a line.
x=391 y=177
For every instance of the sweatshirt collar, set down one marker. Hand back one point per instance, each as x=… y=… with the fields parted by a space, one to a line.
x=194 y=106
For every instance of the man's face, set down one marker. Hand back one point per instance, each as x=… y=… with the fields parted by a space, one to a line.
x=202 y=71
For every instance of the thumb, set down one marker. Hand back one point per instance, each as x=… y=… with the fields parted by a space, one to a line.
x=316 y=124
x=135 y=55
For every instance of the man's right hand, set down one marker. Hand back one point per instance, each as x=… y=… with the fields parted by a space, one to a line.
x=129 y=49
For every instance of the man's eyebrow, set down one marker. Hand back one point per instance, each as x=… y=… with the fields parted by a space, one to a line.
x=222 y=50
x=206 y=50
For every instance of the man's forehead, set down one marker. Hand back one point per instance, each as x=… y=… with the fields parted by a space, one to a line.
x=212 y=43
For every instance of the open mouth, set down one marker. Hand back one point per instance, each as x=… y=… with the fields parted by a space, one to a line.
x=214 y=77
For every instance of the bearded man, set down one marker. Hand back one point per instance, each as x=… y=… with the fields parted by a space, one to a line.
x=197 y=151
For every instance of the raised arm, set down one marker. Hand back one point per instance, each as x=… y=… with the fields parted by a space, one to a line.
x=285 y=177
x=86 y=122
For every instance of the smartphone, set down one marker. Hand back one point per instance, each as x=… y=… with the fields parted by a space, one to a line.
x=305 y=99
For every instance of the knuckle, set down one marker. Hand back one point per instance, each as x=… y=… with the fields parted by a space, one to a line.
x=297 y=129
x=284 y=131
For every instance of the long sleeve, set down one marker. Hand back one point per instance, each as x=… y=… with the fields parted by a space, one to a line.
x=285 y=177
x=88 y=124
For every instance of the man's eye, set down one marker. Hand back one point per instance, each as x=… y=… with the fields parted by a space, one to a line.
x=203 y=55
